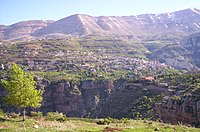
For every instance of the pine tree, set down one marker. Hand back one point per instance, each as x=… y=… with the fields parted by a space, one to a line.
x=21 y=89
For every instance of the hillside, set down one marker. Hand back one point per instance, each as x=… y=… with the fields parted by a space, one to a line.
x=115 y=53
x=181 y=56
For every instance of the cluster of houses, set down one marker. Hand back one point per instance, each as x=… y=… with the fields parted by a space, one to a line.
x=77 y=59
x=45 y=58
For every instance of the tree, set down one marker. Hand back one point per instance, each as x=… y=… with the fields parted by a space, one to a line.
x=21 y=89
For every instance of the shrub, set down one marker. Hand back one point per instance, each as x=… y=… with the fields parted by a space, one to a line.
x=14 y=115
x=84 y=119
x=125 y=121
x=1 y=112
x=105 y=121
x=61 y=119
x=101 y=122
x=176 y=98
x=55 y=116
x=36 y=114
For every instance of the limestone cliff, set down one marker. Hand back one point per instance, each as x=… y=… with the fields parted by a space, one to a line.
x=97 y=99
x=181 y=107
x=75 y=100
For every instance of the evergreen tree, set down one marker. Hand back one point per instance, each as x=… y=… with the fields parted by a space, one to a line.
x=21 y=90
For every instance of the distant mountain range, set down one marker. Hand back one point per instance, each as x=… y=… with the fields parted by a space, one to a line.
x=178 y=24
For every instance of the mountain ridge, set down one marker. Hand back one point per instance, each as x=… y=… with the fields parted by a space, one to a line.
x=183 y=22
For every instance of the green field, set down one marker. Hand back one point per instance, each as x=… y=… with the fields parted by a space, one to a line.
x=87 y=125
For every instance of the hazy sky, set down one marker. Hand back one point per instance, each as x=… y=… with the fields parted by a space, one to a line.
x=12 y=11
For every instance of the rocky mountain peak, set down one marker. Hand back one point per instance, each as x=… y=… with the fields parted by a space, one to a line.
x=190 y=12
x=72 y=25
x=197 y=11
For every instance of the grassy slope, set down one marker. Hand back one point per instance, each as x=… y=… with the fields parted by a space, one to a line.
x=88 y=125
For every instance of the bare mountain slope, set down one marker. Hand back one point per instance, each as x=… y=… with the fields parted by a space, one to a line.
x=180 y=23
x=22 y=30
x=82 y=25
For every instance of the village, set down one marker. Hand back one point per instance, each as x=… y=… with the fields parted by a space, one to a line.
x=46 y=58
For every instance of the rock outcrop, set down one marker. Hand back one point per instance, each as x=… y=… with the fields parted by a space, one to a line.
x=75 y=100
x=186 y=111
x=180 y=108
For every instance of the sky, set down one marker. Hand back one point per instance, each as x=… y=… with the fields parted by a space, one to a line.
x=12 y=11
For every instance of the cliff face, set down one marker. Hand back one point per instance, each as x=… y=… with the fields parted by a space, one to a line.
x=75 y=100
x=180 y=108
x=96 y=99
x=185 y=111
x=117 y=99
